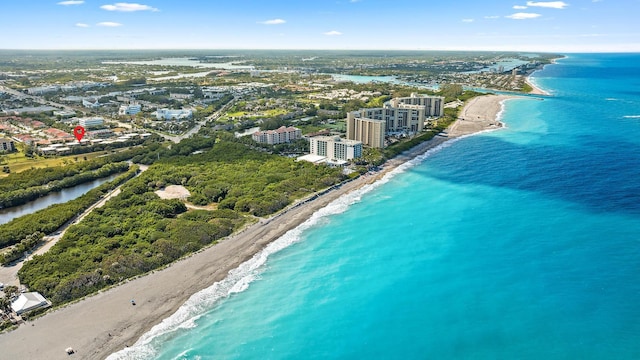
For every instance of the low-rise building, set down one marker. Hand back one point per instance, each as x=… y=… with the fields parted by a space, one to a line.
x=41 y=90
x=279 y=136
x=179 y=96
x=7 y=145
x=91 y=103
x=131 y=109
x=170 y=114
x=64 y=113
x=29 y=301
x=91 y=122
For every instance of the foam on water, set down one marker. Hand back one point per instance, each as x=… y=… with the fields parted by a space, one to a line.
x=240 y=278
x=514 y=245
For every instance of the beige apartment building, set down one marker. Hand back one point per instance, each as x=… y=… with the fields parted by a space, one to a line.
x=279 y=136
x=369 y=131
x=433 y=105
x=405 y=115
x=335 y=148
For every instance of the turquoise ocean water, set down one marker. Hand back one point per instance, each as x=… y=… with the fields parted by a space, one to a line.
x=522 y=243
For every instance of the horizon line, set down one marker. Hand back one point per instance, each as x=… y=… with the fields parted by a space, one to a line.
x=323 y=49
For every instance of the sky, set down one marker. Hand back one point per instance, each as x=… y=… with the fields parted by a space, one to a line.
x=511 y=25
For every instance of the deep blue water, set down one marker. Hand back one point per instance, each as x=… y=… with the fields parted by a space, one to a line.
x=521 y=243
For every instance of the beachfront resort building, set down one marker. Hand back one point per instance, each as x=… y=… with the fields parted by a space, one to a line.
x=279 y=136
x=405 y=115
x=334 y=148
x=433 y=105
x=369 y=131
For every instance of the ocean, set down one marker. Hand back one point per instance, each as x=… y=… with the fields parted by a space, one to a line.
x=521 y=243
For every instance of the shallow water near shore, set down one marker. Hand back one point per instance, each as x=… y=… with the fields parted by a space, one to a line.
x=518 y=243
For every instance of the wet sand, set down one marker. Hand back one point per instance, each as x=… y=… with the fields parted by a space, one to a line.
x=102 y=324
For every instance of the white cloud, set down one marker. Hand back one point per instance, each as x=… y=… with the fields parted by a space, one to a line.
x=272 y=22
x=128 y=7
x=109 y=24
x=71 y=2
x=82 y=25
x=548 y=4
x=492 y=17
x=523 y=16
x=519 y=7
x=333 y=33
x=467 y=20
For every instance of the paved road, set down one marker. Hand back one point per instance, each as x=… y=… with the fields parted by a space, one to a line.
x=38 y=99
x=176 y=139
x=194 y=130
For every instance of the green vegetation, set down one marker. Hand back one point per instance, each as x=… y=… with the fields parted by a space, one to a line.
x=21 y=187
x=56 y=180
x=137 y=231
x=28 y=230
x=451 y=91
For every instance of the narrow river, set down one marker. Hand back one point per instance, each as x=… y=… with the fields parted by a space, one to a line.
x=58 y=197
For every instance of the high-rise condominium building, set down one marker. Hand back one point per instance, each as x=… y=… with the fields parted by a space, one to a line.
x=335 y=148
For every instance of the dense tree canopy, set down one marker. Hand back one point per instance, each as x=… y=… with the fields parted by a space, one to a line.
x=137 y=231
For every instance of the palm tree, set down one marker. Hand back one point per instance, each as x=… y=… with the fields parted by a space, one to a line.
x=5 y=304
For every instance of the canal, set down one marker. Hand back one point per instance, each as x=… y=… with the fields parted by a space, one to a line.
x=58 y=197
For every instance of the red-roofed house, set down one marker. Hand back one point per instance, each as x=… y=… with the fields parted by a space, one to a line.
x=57 y=134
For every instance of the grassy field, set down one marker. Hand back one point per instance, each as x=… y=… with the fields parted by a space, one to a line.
x=17 y=162
x=235 y=114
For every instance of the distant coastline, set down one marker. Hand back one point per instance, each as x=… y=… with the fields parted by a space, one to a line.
x=106 y=322
x=536 y=90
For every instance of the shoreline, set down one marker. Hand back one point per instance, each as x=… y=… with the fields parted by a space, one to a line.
x=535 y=89
x=106 y=322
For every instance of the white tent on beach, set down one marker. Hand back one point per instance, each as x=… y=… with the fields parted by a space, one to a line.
x=28 y=301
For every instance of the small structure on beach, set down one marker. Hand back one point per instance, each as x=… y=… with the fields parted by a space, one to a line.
x=29 y=301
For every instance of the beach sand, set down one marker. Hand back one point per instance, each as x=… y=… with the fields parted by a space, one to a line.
x=536 y=90
x=100 y=325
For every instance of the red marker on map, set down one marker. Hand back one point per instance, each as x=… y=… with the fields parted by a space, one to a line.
x=78 y=131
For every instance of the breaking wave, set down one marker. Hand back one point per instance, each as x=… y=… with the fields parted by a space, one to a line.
x=239 y=279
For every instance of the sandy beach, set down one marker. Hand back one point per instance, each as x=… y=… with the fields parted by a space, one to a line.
x=536 y=90
x=107 y=322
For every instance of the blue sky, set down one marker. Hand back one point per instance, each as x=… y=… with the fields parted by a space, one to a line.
x=518 y=25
